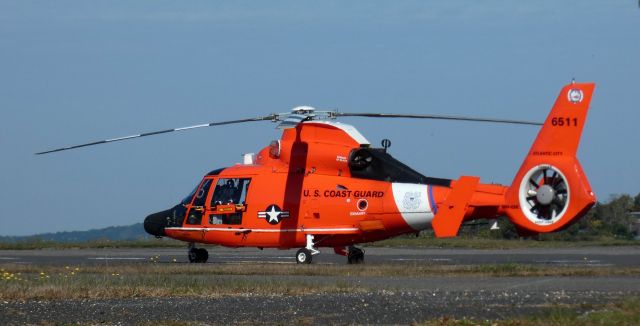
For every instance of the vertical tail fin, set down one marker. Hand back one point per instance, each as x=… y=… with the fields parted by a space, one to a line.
x=551 y=190
x=561 y=132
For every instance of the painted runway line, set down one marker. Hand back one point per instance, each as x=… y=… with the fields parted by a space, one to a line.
x=422 y=259
x=117 y=258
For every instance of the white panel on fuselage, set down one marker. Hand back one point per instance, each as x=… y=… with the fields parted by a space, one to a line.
x=413 y=204
x=348 y=129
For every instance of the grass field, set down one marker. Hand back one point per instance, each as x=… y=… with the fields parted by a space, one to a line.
x=21 y=282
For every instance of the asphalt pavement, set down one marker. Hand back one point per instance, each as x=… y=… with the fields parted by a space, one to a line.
x=592 y=256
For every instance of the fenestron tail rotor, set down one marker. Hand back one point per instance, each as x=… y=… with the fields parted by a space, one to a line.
x=292 y=119
x=545 y=193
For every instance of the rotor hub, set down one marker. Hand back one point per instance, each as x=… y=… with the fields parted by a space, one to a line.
x=545 y=194
x=303 y=110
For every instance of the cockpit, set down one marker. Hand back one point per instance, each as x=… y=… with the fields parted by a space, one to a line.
x=223 y=203
x=215 y=200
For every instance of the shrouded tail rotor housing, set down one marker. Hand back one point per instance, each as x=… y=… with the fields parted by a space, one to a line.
x=544 y=194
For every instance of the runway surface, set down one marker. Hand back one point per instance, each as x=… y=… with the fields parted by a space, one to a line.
x=387 y=300
x=597 y=256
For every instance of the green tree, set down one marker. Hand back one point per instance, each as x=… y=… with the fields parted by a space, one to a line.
x=636 y=203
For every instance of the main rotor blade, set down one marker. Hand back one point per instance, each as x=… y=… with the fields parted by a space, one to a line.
x=211 y=124
x=436 y=117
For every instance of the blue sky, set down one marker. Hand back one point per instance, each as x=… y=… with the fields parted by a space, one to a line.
x=77 y=71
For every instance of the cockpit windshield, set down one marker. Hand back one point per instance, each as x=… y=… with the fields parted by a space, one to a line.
x=200 y=192
x=187 y=200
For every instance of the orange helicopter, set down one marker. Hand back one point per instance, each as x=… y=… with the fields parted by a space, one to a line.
x=323 y=185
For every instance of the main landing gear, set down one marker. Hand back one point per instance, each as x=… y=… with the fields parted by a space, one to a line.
x=197 y=255
x=305 y=255
x=355 y=255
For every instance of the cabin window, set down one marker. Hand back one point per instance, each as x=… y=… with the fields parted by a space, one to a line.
x=230 y=191
x=228 y=202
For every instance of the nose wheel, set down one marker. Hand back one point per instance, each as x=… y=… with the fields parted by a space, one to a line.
x=197 y=255
x=305 y=255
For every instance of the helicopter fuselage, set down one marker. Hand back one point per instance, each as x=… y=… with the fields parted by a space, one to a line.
x=321 y=179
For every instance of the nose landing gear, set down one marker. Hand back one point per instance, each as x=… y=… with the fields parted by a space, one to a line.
x=305 y=255
x=197 y=255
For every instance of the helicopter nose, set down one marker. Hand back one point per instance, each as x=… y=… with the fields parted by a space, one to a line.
x=155 y=223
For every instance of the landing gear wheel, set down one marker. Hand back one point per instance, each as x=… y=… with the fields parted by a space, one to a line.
x=303 y=256
x=355 y=256
x=198 y=255
x=203 y=254
x=193 y=255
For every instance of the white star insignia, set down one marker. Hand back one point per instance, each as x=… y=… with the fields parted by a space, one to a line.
x=273 y=215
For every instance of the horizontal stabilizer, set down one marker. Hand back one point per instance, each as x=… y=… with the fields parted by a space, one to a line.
x=448 y=219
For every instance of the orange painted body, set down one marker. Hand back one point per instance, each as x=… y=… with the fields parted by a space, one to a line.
x=303 y=185
x=308 y=181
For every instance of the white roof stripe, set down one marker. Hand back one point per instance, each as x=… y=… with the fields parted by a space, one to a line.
x=348 y=129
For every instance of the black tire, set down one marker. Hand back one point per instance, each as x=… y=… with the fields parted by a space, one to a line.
x=203 y=255
x=198 y=255
x=193 y=255
x=303 y=256
x=355 y=256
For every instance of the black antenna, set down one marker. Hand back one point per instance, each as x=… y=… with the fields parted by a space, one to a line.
x=386 y=143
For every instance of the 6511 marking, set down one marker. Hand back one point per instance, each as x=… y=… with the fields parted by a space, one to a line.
x=564 y=122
